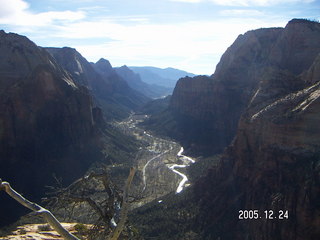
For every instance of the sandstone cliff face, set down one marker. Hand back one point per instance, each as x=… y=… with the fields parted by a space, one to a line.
x=222 y=98
x=297 y=46
x=46 y=121
x=276 y=153
x=273 y=163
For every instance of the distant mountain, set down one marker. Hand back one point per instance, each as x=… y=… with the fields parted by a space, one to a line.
x=135 y=82
x=104 y=67
x=166 y=77
x=112 y=93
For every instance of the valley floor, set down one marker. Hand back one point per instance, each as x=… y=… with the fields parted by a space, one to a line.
x=161 y=167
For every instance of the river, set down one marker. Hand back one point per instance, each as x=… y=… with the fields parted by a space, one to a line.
x=187 y=160
x=160 y=163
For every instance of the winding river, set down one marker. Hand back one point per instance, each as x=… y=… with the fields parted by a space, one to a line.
x=156 y=160
x=186 y=160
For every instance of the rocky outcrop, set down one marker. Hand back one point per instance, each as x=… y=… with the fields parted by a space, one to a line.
x=111 y=92
x=214 y=104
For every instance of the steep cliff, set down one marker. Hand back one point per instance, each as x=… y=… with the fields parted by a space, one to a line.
x=214 y=104
x=111 y=92
x=47 y=125
x=273 y=164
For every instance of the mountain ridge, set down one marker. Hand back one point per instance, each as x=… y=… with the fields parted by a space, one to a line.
x=166 y=77
x=111 y=92
x=135 y=82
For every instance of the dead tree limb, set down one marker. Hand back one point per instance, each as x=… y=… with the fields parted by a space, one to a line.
x=46 y=214
x=124 y=208
x=80 y=191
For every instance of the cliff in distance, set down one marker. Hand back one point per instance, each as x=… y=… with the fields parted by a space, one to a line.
x=213 y=105
x=110 y=91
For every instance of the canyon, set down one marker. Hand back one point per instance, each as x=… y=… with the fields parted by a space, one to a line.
x=252 y=128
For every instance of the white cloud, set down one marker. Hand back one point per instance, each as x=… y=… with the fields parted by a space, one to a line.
x=189 y=45
x=12 y=7
x=132 y=39
x=15 y=12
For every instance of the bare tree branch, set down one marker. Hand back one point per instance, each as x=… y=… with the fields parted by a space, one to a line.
x=124 y=208
x=50 y=218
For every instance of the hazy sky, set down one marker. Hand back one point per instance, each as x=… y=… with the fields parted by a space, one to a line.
x=186 y=34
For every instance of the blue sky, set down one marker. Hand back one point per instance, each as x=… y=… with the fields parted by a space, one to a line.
x=186 y=34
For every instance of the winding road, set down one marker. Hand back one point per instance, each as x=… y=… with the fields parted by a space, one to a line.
x=145 y=166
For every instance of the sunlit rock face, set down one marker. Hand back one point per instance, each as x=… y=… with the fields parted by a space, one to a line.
x=214 y=104
x=46 y=123
x=273 y=162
